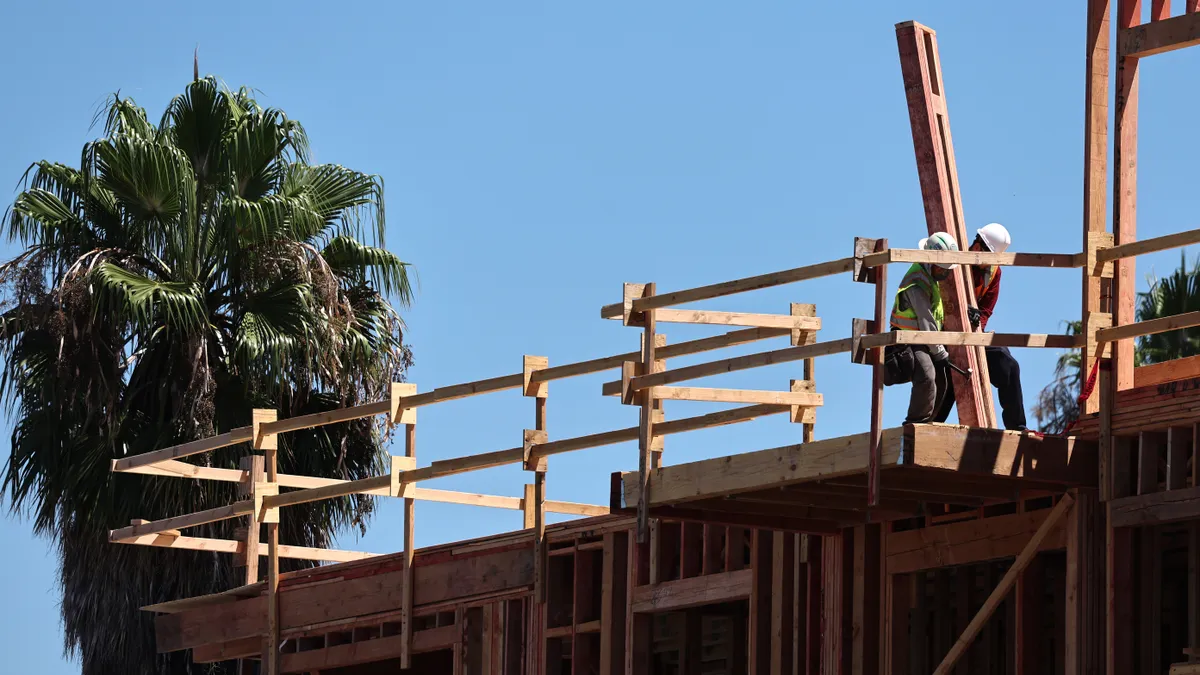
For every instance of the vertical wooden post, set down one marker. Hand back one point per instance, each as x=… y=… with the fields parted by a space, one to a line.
x=1150 y=617
x=813 y=608
x=865 y=617
x=529 y=507
x=1095 y=168
x=929 y=116
x=897 y=605
x=255 y=471
x=646 y=425
x=783 y=567
x=875 y=457
x=407 y=417
x=269 y=444
x=810 y=370
x=1083 y=600
x=1125 y=121
x=613 y=588
x=837 y=560
x=761 y=592
x=538 y=391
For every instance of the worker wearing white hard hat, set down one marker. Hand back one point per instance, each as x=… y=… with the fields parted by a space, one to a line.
x=1003 y=370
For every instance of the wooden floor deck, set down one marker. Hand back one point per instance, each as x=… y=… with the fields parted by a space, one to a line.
x=820 y=487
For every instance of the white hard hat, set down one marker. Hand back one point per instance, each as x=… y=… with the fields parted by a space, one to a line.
x=939 y=241
x=995 y=237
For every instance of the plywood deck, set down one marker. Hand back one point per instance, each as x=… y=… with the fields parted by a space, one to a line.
x=820 y=487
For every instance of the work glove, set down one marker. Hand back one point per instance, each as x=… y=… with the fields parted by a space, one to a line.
x=973 y=316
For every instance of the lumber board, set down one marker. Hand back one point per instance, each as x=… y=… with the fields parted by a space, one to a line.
x=1095 y=164
x=1001 y=453
x=724 y=288
x=234 y=546
x=329 y=491
x=1167 y=371
x=1124 y=190
x=730 y=365
x=1151 y=327
x=1006 y=583
x=367 y=651
x=1159 y=37
x=968 y=542
x=234 y=510
x=906 y=255
x=233 y=437
x=225 y=651
x=408 y=555
x=921 y=337
x=668 y=596
x=1144 y=246
x=714 y=318
x=221 y=623
x=788 y=398
x=328 y=417
x=765 y=468
x=1155 y=508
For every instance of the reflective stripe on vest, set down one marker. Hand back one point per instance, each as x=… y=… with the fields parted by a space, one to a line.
x=907 y=319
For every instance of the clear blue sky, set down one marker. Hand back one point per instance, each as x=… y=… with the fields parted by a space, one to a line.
x=538 y=154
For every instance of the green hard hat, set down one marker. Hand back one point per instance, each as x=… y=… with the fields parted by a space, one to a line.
x=939 y=241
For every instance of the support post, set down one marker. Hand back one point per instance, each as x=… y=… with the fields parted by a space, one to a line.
x=1096 y=290
x=865 y=616
x=1084 y=602
x=938 y=175
x=761 y=593
x=783 y=569
x=539 y=392
x=837 y=560
x=406 y=591
x=1005 y=585
x=646 y=425
x=253 y=466
x=269 y=444
x=875 y=458
x=810 y=368
x=1125 y=121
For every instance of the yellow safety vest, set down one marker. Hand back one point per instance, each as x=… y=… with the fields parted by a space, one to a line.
x=906 y=319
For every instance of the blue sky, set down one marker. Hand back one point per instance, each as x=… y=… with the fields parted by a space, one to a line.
x=538 y=154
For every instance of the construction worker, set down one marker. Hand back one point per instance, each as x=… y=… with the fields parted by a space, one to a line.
x=1003 y=370
x=918 y=306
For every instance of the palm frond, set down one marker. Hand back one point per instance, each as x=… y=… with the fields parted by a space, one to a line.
x=380 y=266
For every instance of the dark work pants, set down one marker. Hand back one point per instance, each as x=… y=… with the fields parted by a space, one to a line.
x=930 y=387
x=1005 y=374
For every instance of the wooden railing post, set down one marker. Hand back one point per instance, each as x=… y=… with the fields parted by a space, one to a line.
x=407 y=417
x=269 y=444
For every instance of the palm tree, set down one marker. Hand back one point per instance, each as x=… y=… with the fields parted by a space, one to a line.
x=1174 y=294
x=184 y=274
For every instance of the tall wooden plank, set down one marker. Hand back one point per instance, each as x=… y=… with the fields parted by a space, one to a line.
x=269 y=444
x=1125 y=122
x=963 y=581
x=1119 y=624
x=1030 y=609
x=837 y=559
x=1149 y=620
x=1095 y=165
x=646 y=424
x=938 y=175
x=1082 y=621
x=248 y=558
x=761 y=566
x=614 y=588
x=800 y=611
x=410 y=543
x=865 y=647
x=881 y=308
x=919 y=653
x=813 y=605
x=896 y=634
x=539 y=513
x=783 y=563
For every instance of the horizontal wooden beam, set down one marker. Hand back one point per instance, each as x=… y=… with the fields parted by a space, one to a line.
x=670 y=596
x=708 y=395
x=1144 y=246
x=180 y=522
x=733 y=364
x=905 y=255
x=1151 y=327
x=703 y=316
x=1069 y=462
x=328 y=417
x=1155 y=508
x=732 y=287
x=1158 y=37
x=239 y=435
x=924 y=337
x=234 y=546
x=1166 y=371
x=967 y=542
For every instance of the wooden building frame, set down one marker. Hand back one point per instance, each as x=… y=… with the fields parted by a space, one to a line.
x=925 y=548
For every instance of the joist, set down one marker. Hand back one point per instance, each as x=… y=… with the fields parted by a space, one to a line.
x=1159 y=37
x=1155 y=508
x=968 y=542
x=922 y=337
x=904 y=255
x=788 y=398
x=725 y=288
x=161 y=540
x=669 y=596
x=220 y=513
x=1152 y=245
x=1151 y=327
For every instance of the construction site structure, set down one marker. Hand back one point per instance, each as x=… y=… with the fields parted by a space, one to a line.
x=919 y=549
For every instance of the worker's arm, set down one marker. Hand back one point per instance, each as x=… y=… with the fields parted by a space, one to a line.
x=987 y=303
x=919 y=301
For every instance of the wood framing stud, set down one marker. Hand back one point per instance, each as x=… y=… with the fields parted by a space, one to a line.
x=530 y=364
x=263 y=440
x=400 y=487
x=803 y=414
x=531 y=438
x=401 y=415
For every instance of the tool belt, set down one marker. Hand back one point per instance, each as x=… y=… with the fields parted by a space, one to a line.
x=898 y=364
